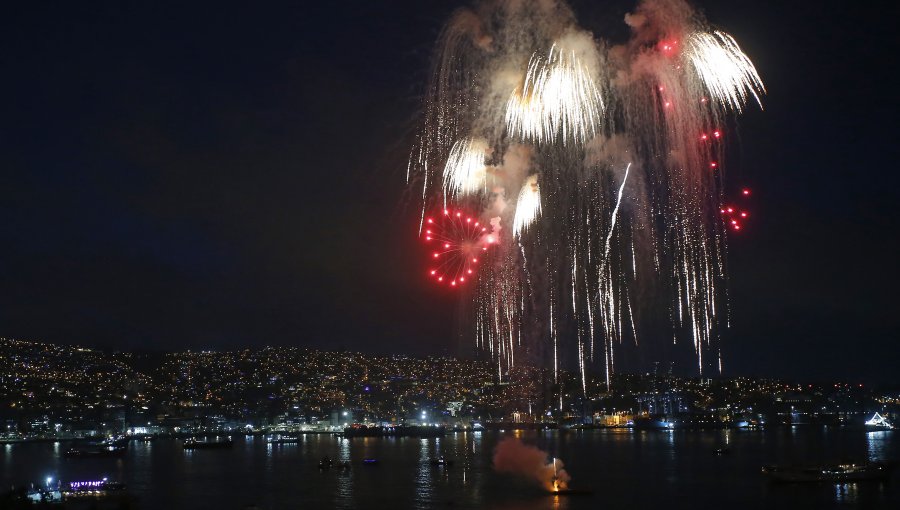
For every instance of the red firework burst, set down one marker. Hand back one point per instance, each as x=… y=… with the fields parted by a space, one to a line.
x=458 y=243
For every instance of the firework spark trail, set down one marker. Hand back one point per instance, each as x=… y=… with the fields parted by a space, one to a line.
x=615 y=213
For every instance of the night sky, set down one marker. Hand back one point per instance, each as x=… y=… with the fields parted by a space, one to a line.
x=233 y=176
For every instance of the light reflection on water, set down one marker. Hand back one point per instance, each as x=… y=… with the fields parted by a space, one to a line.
x=424 y=484
x=846 y=492
x=876 y=445
x=345 y=480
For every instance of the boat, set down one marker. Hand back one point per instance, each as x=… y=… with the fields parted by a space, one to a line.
x=204 y=444
x=656 y=422
x=878 y=422
x=829 y=473
x=326 y=462
x=370 y=462
x=92 y=452
x=723 y=451
x=92 y=488
x=115 y=441
x=441 y=461
x=395 y=431
x=284 y=440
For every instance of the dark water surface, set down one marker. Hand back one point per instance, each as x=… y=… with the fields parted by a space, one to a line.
x=669 y=470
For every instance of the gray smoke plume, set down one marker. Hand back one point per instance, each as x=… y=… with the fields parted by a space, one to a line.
x=529 y=462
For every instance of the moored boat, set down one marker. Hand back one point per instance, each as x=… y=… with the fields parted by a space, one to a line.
x=92 y=488
x=95 y=452
x=829 y=473
x=441 y=461
x=284 y=440
x=203 y=444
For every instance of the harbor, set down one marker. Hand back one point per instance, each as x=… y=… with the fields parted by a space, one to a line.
x=609 y=465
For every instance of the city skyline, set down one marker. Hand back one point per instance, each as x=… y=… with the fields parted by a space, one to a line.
x=205 y=190
x=52 y=389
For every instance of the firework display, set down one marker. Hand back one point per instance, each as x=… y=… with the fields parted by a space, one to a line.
x=594 y=169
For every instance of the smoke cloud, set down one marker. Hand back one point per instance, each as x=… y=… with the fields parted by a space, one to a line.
x=529 y=462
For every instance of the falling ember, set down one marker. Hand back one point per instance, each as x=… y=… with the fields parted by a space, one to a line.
x=733 y=213
x=459 y=238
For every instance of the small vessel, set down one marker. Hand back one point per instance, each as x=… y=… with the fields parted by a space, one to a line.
x=92 y=488
x=115 y=441
x=829 y=473
x=284 y=440
x=395 y=431
x=723 y=451
x=95 y=451
x=441 y=461
x=326 y=462
x=204 y=444
x=370 y=462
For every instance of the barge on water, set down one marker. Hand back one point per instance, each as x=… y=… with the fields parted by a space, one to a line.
x=398 y=431
x=206 y=444
x=829 y=473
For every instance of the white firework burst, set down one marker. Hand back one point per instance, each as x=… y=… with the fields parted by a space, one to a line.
x=465 y=171
x=558 y=98
x=727 y=73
